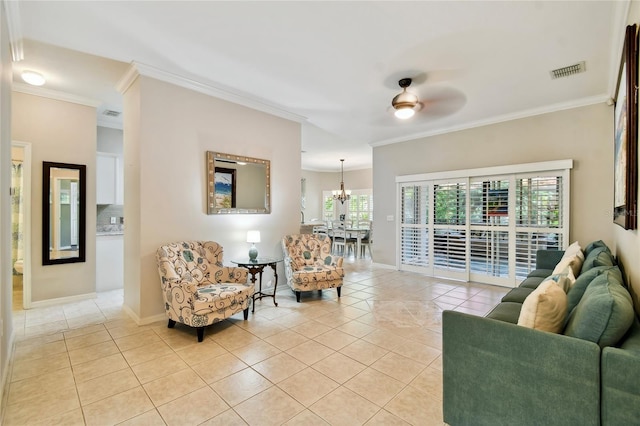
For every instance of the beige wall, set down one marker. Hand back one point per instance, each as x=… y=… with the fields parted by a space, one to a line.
x=627 y=242
x=582 y=134
x=329 y=181
x=62 y=132
x=167 y=132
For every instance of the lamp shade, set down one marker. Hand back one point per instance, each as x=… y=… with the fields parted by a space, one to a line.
x=253 y=236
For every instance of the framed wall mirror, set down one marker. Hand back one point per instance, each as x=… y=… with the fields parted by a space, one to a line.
x=63 y=213
x=237 y=184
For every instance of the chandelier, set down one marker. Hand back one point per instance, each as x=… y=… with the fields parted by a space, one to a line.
x=341 y=195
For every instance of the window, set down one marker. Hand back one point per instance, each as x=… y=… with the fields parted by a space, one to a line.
x=358 y=208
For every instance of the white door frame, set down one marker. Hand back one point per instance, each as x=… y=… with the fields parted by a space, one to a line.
x=26 y=196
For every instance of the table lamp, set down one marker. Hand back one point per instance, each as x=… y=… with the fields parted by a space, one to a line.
x=253 y=237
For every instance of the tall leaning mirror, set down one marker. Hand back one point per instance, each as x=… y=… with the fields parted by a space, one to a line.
x=237 y=184
x=63 y=213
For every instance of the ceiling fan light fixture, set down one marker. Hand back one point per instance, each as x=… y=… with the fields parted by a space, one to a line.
x=404 y=113
x=405 y=102
x=33 y=78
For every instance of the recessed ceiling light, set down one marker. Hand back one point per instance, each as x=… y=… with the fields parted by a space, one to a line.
x=33 y=78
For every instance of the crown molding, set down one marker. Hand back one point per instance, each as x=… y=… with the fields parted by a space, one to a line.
x=138 y=68
x=14 y=28
x=498 y=119
x=103 y=122
x=54 y=94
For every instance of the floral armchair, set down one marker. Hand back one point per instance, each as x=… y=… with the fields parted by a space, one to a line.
x=197 y=290
x=309 y=265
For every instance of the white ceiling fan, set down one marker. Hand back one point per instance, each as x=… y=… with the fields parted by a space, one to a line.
x=437 y=101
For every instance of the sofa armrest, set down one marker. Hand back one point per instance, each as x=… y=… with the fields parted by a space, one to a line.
x=548 y=259
x=497 y=373
x=620 y=386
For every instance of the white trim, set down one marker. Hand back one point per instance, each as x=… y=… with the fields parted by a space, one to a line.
x=7 y=370
x=490 y=171
x=63 y=300
x=226 y=94
x=14 y=28
x=384 y=266
x=498 y=119
x=26 y=196
x=143 y=321
x=55 y=94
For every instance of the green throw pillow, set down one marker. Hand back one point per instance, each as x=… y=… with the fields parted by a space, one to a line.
x=604 y=313
x=599 y=256
x=593 y=245
x=580 y=286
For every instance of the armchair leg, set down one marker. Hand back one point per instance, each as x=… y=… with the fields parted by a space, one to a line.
x=298 y=296
x=246 y=313
x=171 y=324
x=338 y=289
x=200 y=331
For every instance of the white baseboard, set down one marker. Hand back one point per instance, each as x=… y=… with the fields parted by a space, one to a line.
x=384 y=266
x=146 y=320
x=62 y=300
x=6 y=374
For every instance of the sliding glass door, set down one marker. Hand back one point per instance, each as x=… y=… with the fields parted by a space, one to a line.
x=482 y=228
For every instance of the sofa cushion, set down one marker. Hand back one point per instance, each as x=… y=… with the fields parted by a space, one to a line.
x=573 y=249
x=599 y=256
x=317 y=273
x=573 y=261
x=593 y=245
x=517 y=294
x=604 y=313
x=542 y=273
x=631 y=340
x=506 y=312
x=545 y=308
x=565 y=279
x=580 y=286
x=532 y=282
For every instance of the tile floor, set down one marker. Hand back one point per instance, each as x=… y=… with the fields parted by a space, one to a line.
x=371 y=357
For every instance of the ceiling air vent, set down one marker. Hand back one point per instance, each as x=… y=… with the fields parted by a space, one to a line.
x=111 y=113
x=568 y=71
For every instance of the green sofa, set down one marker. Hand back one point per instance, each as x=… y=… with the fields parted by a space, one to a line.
x=496 y=372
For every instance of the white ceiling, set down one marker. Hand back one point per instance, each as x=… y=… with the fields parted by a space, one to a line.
x=336 y=64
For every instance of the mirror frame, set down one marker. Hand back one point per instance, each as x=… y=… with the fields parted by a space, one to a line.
x=211 y=196
x=82 y=212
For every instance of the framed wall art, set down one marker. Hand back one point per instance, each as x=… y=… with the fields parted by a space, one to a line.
x=225 y=184
x=626 y=135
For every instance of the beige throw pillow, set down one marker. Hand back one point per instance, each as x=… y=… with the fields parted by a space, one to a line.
x=574 y=262
x=574 y=249
x=545 y=308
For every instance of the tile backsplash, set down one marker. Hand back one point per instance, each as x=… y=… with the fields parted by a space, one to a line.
x=105 y=213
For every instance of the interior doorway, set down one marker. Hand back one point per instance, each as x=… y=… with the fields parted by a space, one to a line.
x=21 y=224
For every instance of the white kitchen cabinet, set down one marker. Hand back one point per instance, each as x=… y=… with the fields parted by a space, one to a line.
x=109 y=179
x=109 y=262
